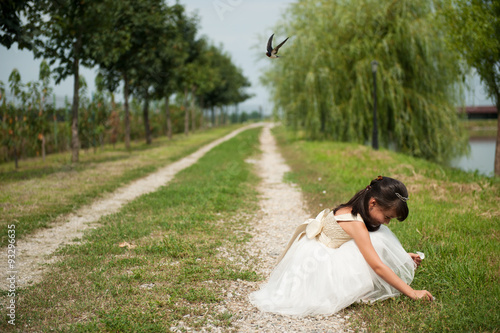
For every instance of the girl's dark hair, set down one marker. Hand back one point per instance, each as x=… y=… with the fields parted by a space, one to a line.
x=384 y=190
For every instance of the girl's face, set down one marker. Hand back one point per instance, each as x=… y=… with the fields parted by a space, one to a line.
x=380 y=215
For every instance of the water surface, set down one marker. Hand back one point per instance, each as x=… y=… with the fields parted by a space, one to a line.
x=481 y=157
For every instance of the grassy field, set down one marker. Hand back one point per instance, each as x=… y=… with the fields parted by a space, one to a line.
x=38 y=192
x=170 y=273
x=454 y=219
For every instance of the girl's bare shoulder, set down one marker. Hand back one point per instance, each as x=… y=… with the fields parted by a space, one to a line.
x=352 y=228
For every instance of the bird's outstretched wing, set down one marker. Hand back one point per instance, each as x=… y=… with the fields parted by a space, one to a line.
x=278 y=47
x=270 y=45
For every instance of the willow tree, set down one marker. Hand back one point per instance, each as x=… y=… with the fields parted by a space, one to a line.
x=474 y=29
x=323 y=83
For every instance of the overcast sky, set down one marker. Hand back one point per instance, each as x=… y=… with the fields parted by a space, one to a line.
x=241 y=26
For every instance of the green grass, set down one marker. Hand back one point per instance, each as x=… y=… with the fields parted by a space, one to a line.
x=35 y=194
x=173 y=273
x=454 y=219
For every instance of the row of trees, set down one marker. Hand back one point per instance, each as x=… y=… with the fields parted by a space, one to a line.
x=32 y=125
x=146 y=46
x=325 y=86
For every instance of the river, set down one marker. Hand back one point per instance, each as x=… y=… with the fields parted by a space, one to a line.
x=481 y=157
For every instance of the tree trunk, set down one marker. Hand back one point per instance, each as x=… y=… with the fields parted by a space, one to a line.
x=375 y=125
x=56 y=144
x=212 y=113
x=202 y=118
x=236 y=111
x=113 y=115
x=75 y=141
x=497 y=149
x=193 y=109
x=40 y=114
x=43 y=147
x=203 y=123
x=145 y=114
x=16 y=162
x=169 y=118
x=127 y=112
x=186 y=113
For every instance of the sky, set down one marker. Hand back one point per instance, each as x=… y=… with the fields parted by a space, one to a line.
x=242 y=27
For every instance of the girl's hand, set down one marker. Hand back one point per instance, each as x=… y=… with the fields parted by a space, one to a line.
x=416 y=258
x=423 y=294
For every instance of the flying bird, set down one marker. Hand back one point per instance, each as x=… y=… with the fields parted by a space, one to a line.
x=273 y=52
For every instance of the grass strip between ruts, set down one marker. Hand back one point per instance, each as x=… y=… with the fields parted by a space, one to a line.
x=454 y=219
x=170 y=273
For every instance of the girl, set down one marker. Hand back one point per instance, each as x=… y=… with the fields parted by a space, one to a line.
x=344 y=256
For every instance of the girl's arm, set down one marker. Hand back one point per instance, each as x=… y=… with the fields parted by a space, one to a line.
x=357 y=230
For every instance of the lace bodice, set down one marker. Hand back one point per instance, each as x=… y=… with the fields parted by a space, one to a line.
x=332 y=234
x=325 y=229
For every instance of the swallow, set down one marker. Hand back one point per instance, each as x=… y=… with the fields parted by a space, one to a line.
x=273 y=52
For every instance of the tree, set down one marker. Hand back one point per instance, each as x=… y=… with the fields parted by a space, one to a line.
x=143 y=25
x=11 y=28
x=35 y=105
x=100 y=111
x=228 y=82
x=205 y=76
x=68 y=28
x=179 y=51
x=14 y=117
x=46 y=91
x=474 y=29
x=323 y=84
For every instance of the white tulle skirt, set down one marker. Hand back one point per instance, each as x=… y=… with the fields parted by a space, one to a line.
x=313 y=279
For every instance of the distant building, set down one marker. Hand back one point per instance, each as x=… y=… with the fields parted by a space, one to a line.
x=480 y=112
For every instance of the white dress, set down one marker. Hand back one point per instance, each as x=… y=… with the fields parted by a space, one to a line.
x=325 y=271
